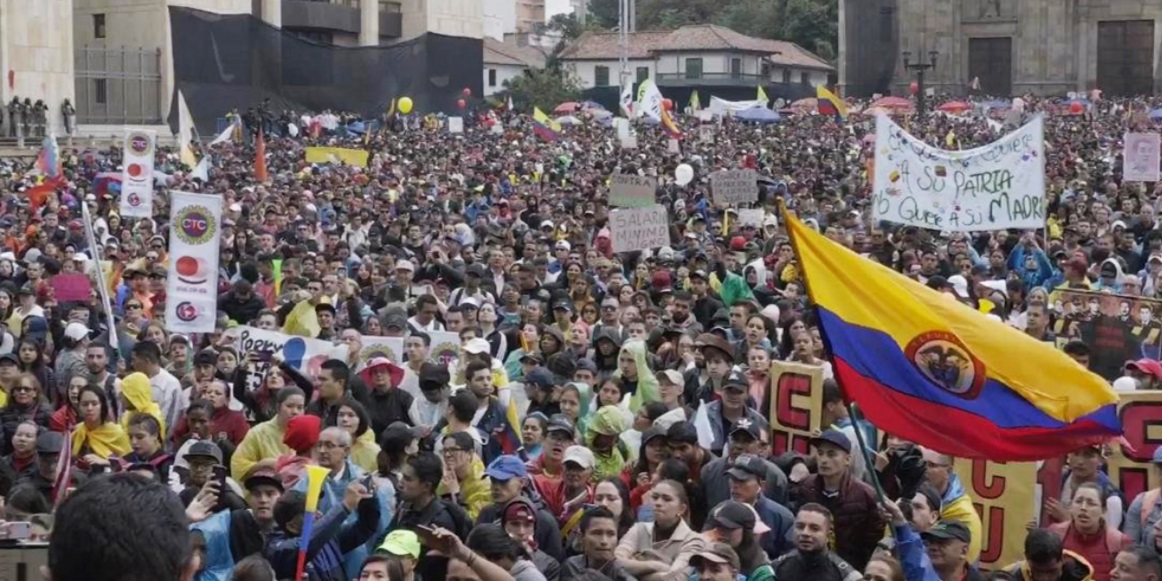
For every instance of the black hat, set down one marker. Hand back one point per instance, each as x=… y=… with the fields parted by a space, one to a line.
x=587 y=365
x=291 y=504
x=732 y=515
x=204 y=449
x=748 y=467
x=560 y=424
x=433 y=377
x=206 y=357
x=833 y=437
x=948 y=530
x=746 y=426
x=735 y=380
x=539 y=377
x=10 y=358
x=699 y=274
x=325 y=307
x=563 y=304
x=50 y=443
x=532 y=357
x=651 y=433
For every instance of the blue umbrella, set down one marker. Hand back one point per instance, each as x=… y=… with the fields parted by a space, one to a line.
x=758 y=115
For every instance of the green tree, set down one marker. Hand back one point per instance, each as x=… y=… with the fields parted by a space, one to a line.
x=545 y=88
x=604 y=14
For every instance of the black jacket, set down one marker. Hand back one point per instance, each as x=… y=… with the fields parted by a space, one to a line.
x=241 y=310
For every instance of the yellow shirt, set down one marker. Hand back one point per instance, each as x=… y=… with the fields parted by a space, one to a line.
x=261 y=442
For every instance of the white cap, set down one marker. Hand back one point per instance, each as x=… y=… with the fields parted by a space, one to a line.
x=470 y=301
x=477 y=346
x=405 y=265
x=563 y=245
x=546 y=224
x=959 y=285
x=76 y=331
x=999 y=286
x=80 y=257
x=580 y=455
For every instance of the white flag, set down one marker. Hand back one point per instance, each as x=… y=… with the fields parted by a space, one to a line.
x=202 y=170
x=224 y=136
x=649 y=100
x=702 y=424
x=626 y=100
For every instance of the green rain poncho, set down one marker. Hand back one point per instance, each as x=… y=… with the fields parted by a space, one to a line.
x=647 y=384
x=607 y=421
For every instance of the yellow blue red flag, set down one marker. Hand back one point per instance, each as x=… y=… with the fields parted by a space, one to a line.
x=829 y=104
x=669 y=127
x=930 y=370
x=545 y=127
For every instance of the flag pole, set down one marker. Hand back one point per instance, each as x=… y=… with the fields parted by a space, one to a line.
x=868 y=459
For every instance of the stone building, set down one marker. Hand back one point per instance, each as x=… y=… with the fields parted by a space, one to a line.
x=1012 y=46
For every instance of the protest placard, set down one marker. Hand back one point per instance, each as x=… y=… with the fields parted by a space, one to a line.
x=302 y=353
x=751 y=217
x=628 y=142
x=1141 y=157
x=445 y=348
x=639 y=228
x=351 y=157
x=996 y=186
x=631 y=190
x=1117 y=328
x=1003 y=495
x=72 y=287
x=390 y=347
x=1130 y=463
x=734 y=186
x=706 y=133
x=672 y=146
x=455 y=125
x=796 y=405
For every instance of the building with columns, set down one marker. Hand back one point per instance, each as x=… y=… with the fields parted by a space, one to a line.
x=1046 y=47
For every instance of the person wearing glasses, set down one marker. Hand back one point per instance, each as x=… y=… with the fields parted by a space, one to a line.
x=955 y=503
x=464 y=481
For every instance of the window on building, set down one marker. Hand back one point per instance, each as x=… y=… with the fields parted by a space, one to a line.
x=736 y=68
x=765 y=70
x=101 y=92
x=491 y=77
x=600 y=76
x=390 y=7
x=805 y=78
x=786 y=75
x=98 y=26
x=694 y=68
x=643 y=74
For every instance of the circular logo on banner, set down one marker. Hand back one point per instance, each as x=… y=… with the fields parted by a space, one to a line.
x=195 y=225
x=369 y=353
x=944 y=359
x=140 y=143
x=135 y=170
x=134 y=200
x=445 y=353
x=186 y=312
x=191 y=270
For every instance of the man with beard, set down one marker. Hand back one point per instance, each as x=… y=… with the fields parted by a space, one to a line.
x=812 y=559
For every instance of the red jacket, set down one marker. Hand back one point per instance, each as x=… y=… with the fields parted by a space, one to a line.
x=1099 y=549
x=225 y=423
x=63 y=420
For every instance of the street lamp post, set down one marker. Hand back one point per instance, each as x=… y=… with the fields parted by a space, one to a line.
x=919 y=68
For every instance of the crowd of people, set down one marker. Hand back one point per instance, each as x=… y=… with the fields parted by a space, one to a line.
x=560 y=444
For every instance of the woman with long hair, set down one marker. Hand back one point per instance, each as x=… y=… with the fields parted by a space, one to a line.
x=64 y=419
x=353 y=418
x=30 y=352
x=532 y=435
x=226 y=426
x=1086 y=532
x=637 y=476
x=669 y=537
x=487 y=320
x=97 y=438
x=25 y=404
x=396 y=445
x=574 y=402
x=613 y=494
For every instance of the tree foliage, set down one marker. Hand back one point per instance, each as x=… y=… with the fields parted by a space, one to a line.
x=545 y=88
x=812 y=24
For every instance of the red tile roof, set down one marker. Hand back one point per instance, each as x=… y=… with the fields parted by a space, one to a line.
x=604 y=46
x=503 y=53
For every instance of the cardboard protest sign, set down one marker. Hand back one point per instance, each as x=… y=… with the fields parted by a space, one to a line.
x=734 y=186
x=390 y=347
x=351 y=157
x=706 y=133
x=796 y=405
x=1117 y=328
x=751 y=217
x=996 y=186
x=455 y=125
x=1130 y=466
x=1004 y=499
x=1141 y=157
x=639 y=228
x=631 y=190
x=301 y=353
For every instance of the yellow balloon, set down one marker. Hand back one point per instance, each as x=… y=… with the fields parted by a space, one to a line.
x=405 y=105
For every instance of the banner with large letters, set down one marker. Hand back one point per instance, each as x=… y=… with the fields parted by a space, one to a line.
x=305 y=355
x=993 y=187
x=192 y=284
x=137 y=174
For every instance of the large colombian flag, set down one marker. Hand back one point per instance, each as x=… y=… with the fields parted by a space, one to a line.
x=931 y=370
x=829 y=104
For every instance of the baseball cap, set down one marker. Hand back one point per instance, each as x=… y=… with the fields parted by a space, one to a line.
x=579 y=455
x=735 y=380
x=433 y=377
x=948 y=530
x=10 y=358
x=506 y=467
x=519 y=510
x=1148 y=366
x=206 y=357
x=204 y=449
x=263 y=477
x=401 y=543
x=477 y=346
x=731 y=515
x=1157 y=455
x=748 y=467
x=405 y=265
x=532 y=357
x=50 y=443
x=475 y=269
x=670 y=376
x=720 y=553
x=76 y=331
x=746 y=426
x=539 y=377
x=835 y=438
x=559 y=424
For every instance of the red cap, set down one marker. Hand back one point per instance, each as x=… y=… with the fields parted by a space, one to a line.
x=1147 y=366
x=738 y=243
x=302 y=433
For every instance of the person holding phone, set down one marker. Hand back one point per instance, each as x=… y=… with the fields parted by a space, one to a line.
x=332 y=538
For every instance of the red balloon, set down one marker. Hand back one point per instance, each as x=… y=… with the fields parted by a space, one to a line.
x=667 y=104
x=461 y=103
x=467 y=92
x=1076 y=108
x=914 y=87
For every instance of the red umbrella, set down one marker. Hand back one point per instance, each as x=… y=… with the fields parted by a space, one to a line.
x=955 y=107
x=567 y=107
x=899 y=104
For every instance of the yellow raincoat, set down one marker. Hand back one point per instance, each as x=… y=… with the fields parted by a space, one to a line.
x=135 y=389
x=261 y=442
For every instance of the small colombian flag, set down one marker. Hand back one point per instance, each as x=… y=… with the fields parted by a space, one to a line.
x=829 y=104
x=544 y=127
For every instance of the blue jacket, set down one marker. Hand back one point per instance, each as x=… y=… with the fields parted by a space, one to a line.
x=330 y=541
x=333 y=491
x=219 y=565
x=913 y=556
x=717 y=429
x=781 y=539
